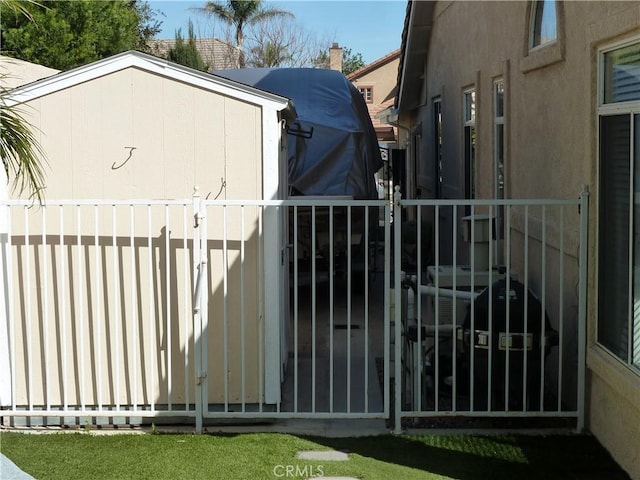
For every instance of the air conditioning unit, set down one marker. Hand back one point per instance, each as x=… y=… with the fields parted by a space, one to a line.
x=460 y=277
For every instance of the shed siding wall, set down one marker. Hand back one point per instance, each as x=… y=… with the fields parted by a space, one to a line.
x=137 y=135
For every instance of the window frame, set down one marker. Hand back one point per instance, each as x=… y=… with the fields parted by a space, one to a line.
x=469 y=145
x=631 y=109
x=613 y=107
x=533 y=20
x=437 y=145
x=550 y=53
x=499 y=120
x=499 y=192
x=366 y=88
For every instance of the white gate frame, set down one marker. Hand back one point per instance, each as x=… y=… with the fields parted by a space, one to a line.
x=582 y=203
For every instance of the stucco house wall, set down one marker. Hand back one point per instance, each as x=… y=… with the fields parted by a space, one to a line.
x=551 y=142
x=381 y=76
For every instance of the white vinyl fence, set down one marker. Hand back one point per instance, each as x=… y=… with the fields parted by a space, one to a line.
x=196 y=311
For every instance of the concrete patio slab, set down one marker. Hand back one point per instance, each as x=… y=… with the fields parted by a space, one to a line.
x=336 y=478
x=323 y=455
x=10 y=471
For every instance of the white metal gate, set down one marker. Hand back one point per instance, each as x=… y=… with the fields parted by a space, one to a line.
x=480 y=340
x=129 y=312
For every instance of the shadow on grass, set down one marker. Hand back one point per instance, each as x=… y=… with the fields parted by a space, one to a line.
x=470 y=457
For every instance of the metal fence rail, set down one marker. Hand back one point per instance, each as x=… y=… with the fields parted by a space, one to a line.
x=126 y=311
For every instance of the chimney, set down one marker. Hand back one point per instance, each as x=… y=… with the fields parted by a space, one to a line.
x=335 y=57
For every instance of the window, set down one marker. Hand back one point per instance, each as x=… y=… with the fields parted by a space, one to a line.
x=498 y=137
x=622 y=74
x=367 y=93
x=498 y=161
x=469 y=125
x=544 y=41
x=619 y=208
x=437 y=144
x=544 y=27
x=417 y=155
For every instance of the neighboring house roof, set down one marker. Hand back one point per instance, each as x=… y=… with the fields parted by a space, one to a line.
x=384 y=131
x=389 y=57
x=156 y=66
x=218 y=55
x=15 y=72
x=415 y=43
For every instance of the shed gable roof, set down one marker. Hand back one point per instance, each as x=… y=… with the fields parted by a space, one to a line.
x=151 y=64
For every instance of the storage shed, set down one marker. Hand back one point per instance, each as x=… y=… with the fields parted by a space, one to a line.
x=99 y=293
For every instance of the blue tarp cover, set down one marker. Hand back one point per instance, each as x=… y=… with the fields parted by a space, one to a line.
x=332 y=147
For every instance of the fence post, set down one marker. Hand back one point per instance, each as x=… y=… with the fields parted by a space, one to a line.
x=397 y=313
x=582 y=304
x=199 y=275
x=7 y=353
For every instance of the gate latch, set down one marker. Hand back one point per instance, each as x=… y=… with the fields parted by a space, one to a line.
x=202 y=375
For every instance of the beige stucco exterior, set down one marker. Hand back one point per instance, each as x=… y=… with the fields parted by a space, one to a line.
x=381 y=76
x=120 y=317
x=551 y=142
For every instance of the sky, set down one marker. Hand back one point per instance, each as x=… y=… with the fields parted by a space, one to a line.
x=372 y=28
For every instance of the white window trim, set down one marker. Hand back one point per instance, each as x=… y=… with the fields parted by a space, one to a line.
x=363 y=89
x=472 y=121
x=532 y=27
x=438 y=146
x=619 y=107
x=545 y=54
x=630 y=108
x=498 y=120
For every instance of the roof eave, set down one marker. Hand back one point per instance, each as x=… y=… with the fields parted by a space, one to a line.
x=415 y=45
x=390 y=57
x=148 y=63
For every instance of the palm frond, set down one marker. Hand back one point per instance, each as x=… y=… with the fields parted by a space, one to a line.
x=21 y=7
x=269 y=13
x=22 y=155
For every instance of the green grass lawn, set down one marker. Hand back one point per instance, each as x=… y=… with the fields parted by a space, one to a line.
x=272 y=456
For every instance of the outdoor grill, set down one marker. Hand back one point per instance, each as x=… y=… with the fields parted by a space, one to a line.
x=512 y=352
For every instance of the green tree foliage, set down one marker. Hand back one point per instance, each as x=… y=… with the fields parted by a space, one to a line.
x=240 y=14
x=22 y=156
x=350 y=61
x=186 y=53
x=67 y=34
